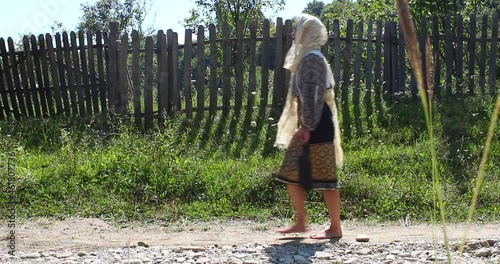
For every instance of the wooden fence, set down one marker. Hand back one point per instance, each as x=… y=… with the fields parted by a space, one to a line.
x=154 y=77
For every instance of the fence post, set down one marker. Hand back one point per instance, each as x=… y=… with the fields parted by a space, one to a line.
x=112 y=66
x=493 y=55
x=277 y=96
x=173 y=62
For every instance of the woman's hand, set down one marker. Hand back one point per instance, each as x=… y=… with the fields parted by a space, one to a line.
x=304 y=134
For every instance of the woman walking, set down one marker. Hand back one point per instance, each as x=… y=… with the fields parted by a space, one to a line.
x=308 y=128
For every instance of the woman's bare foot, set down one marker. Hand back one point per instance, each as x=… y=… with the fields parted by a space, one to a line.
x=297 y=228
x=328 y=234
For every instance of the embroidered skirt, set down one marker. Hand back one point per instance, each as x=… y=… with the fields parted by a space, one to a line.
x=322 y=174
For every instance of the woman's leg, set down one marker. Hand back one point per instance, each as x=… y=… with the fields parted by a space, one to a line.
x=298 y=197
x=332 y=200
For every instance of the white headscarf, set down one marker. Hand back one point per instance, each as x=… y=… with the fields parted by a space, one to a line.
x=310 y=35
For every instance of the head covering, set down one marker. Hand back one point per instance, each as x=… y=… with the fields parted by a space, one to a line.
x=310 y=35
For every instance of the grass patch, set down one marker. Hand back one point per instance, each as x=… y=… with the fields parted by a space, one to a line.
x=222 y=167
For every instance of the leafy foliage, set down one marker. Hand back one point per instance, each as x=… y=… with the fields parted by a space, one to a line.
x=314 y=8
x=231 y=11
x=129 y=13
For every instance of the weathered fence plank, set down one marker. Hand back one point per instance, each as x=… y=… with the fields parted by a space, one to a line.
x=346 y=116
x=15 y=73
x=69 y=70
x=78 y=75
x=493 y=55
x=7 y=68
x=112 y=66
x=337 y=56
x=31 y=76
x=38 y=73
x=252 y=63
x=278 y=69
x=226 y=65
x=368 y=76
x=123 y=75
x=436 y=56
x=94 y=88
x=54 y=74
x=201 y=72
x=162 y=76
x=357 y=80
x=64 y=86
x=187 y=73
x=378 y=62
x=45 y=74
x=459 y=55
x=472 y=54
x=482 y=60
x=448 y=54
x=148 y=84
x=136 y=78
x=101 y=70
x=5 y=111
x=85 y=72
x=423 y=52
x=173 y=62
x=264 y=89
x=26 y=86
x=401 y=77
x=213 y=70
x=239 y=68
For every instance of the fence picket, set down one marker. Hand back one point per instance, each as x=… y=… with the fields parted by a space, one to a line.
x=148 y=84
x=378 y=62
x=54 y=73
x=45 y=75
x=69 y=70
x=201 y=72
x=239 y=68
x=226 y=65
x=84 y=72
x=136 y=78
x=78 y=75
x=482 y=60
x=15 y=73
x=10 y=85
x=337 y=56
x=277 y=87
x=3 y=89
x=436 y=56
x=162 y=76
x=448 y=54
x=459 y=55
x=26 y=87
x=493 y=55
x=472 y=53
x=368 y=75
x=213 y=70
x=187 y=72
x=252 y=61
x=173 y=62
x=101 y=71
x=94 y=90
x=63 y=85
x=401 y=61
x=264 y=89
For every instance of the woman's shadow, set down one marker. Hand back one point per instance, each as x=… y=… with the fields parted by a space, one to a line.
x=293 y=250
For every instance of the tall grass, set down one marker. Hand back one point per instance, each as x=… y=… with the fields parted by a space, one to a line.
x=425 y=90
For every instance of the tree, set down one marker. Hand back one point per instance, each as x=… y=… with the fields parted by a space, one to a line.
x=129 y=13
x=217 y=11
x=314 y=8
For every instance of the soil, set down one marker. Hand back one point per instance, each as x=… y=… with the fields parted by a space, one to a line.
x=94 y=234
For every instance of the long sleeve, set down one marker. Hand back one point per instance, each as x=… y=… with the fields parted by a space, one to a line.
x=311 y=85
